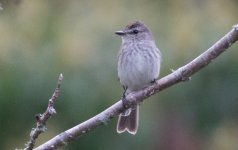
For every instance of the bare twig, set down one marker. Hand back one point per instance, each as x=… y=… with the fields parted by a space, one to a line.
x=41 y=119
x=179 y=75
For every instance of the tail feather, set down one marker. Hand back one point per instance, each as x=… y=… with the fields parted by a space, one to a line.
x=129 y=122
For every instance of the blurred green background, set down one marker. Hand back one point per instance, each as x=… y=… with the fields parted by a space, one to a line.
x=39 y=39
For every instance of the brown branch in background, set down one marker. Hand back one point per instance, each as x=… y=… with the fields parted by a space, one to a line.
x=179 y=75
x=41 y=119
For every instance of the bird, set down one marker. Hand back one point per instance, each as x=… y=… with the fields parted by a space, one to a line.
x=138 y=65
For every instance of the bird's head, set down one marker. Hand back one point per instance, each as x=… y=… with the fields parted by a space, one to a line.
x=136 y=31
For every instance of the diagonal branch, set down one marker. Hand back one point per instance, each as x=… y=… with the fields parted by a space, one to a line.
x=181 y=74
x=41 y=119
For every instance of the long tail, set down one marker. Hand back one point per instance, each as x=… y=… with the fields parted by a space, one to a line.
x=128 y=121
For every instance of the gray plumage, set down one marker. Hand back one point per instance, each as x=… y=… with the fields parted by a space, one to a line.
x=138 y=65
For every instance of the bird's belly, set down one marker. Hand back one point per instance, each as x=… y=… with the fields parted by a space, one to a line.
x=138 y=72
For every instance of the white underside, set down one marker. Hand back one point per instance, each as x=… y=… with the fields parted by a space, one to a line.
x=139 y=71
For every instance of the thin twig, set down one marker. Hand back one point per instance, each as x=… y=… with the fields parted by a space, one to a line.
x=41 y=119
x=182 y=74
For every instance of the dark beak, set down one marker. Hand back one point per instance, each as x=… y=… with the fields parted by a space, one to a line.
x=120 y=33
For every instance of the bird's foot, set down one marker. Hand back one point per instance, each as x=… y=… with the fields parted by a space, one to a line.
x=153 y=81
x=124 y=100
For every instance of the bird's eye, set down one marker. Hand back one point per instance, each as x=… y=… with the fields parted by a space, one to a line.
x=135 y=31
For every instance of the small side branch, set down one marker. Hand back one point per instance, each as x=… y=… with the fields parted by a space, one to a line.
x=41 y=119
x=182 y=74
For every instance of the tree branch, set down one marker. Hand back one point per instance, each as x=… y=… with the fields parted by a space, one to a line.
x=41 y=119
x=181 y=74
